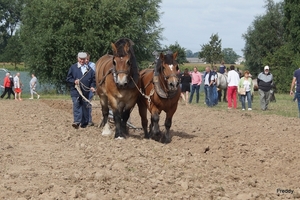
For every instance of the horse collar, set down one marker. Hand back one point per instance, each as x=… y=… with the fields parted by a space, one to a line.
x=160 y=91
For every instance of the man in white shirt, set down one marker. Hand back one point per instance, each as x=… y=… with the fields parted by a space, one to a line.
x=233 y=82
x=209 y=80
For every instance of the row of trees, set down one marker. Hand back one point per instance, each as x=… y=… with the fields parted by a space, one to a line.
x=50 y=33
x=273 y=39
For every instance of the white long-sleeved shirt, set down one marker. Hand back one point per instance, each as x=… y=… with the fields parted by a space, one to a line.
x=16 y=82
x=233 y=78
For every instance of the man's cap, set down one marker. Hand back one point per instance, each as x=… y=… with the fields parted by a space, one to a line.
x=266 y=67
x=82 y=55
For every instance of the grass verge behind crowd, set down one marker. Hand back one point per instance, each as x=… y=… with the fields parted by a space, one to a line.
x=284 y=105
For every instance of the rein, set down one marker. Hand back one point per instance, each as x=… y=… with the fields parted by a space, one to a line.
x=83 y=97
x=148 y=97
x=85 y=88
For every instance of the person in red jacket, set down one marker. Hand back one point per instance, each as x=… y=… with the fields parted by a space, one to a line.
x=6 y=85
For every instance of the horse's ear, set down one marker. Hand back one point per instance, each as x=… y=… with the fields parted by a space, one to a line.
x=175 y=55
x=126 y=47
x=161 y=56
x=114 y=48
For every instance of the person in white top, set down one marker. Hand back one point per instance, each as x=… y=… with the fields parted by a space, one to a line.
x=209 y=80
x=233 y=82
x=247 y=84
x=17 y=85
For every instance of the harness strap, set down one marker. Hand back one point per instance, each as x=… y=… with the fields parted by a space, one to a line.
x=103 y=79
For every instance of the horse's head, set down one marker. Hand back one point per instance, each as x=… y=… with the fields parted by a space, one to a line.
x=169 y=68
x=121 y=62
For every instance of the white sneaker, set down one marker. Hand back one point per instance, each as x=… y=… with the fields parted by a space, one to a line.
x=249 y=108
x=31 y=98
x=243 y=109
x=38 y=96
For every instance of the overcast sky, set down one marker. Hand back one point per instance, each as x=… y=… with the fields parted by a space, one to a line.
x=192 y=22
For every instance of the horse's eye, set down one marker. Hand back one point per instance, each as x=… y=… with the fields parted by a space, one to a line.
x=114 y=63
x=128 y=62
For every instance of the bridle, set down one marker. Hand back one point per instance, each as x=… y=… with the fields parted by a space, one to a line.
x=116 y=72
x=166 y=77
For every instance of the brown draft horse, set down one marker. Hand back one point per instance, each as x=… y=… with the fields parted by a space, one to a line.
x=117 y=76
x=160 y=91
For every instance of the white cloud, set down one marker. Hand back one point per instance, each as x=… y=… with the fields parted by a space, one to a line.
x=192 y=22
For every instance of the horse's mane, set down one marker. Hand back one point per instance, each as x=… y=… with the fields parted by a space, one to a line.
x=120 y=44
x=168 y=59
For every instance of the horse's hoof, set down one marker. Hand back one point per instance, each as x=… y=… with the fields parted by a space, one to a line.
x=106 y=130
x=165 y=140
x=119 y=138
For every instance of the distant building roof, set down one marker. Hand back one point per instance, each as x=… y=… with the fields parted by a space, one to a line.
x=195 y=60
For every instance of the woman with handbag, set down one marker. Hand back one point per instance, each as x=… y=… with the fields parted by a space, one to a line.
x=245 y=89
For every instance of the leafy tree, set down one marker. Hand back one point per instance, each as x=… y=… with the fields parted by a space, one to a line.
x=181 y=56
x=212 y=52
x=10 y=17
x=189 y=53
x=229 y=55
x=283 y=62
x=264 y=36
x=286 y=58
x=55 y=31
x=13 y=50
x=292 y=24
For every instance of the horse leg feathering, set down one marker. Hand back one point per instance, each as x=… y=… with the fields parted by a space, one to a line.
x=154 y=127
x=125 y=117
x=144 y=120
x=105 y=110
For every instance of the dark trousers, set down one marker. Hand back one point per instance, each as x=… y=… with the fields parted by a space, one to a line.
x=6 y=90
x=80 y=111
x=91 y=95
x=215 y=95
x=298 y=101
x=196 y=88
x=12 y=91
